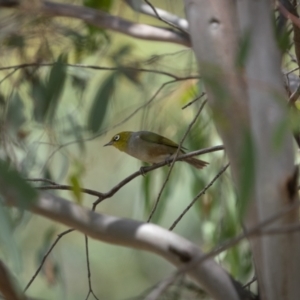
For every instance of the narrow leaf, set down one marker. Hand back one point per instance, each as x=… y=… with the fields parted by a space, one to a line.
x=15 y=112
x=55 y=85
x=8 y=244
x=41 y=102
x=14 y=187
x=99 y=106
x=247 y=173
x=76 y=188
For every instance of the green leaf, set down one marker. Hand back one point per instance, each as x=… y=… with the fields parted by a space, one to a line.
x=51 y=269
x=2 y=100
x=15 y=41
x=283 y=37
x=133 y=75
x=15 y=112
x=8 y=244
x=41 y=104
x=121 y=53
x=55 y=85
x=247 y=173
x=47 y=95
x=14 y=187
x=99 y=106
x=76 y=188
x=79 y=81
x=189 y=94
x=101 y=5
x=146 y=188
x=104 y=5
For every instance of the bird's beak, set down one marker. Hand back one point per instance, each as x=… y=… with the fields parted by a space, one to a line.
x=108 y=144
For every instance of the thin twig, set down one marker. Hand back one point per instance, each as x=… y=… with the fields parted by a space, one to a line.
x=59 y=236
x=193 y=101
x=103 y=68
x=88 y=268
x=147 y=10
x=8 y=75
x=65 y=187
x=250 y=282
x=164 y=20
x=174 y=160
x=42 y=180
x=116 y=188
x=161 y=287
x=294 y=97
x=202 y=192
x=291 y=71
x=153 y=167
x=116 y=125
x=228 y=244
x=256 y=230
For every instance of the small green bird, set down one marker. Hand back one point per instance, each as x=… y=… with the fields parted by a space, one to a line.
x=150 y=147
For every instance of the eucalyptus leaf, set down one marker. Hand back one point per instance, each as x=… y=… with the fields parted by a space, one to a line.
x=55 y=85
x=102 y=5
x=247 y=173
x=15 y=116
x=8 y=244
x=99 y=106
x=14 y=187
x=41 y=102
x=76 y=188
x=47 y=95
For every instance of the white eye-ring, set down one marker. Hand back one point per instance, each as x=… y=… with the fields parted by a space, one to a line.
x=117 y=137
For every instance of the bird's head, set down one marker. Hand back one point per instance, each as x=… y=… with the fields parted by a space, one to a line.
x=120 y=140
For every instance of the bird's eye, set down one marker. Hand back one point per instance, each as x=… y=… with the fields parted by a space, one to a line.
x=117 y=137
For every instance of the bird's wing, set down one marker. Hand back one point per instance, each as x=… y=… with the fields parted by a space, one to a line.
x=158 y=139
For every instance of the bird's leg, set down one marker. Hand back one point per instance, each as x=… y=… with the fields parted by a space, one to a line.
x=143 y=170
x=167 y=160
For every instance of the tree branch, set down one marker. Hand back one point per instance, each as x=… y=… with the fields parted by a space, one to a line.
x=93 y=67
x=103 y=20
x=143 y=236
x=7 y=287
x=102 y=196
x=165 y=15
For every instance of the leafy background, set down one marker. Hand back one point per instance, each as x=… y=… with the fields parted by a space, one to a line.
x=55 y=119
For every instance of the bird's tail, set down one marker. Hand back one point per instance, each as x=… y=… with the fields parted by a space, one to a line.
x=197 y=163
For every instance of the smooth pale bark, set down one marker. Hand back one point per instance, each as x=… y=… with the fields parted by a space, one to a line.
x=214 y=34
x=134 y=234
x=277 y=257
x=99 y=19
x=256 y=109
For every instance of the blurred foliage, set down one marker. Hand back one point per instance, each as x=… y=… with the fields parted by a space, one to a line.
x=57 y=112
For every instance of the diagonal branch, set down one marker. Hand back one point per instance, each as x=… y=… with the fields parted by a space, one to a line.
x=101 y=19
x=201 y=193
x=174 y=160
x=102 y=196
x=144 y=236
x=156 y=13
x=165 y=15
x=8 y=288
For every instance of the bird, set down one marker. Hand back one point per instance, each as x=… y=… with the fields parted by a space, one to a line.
x=150 y=147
